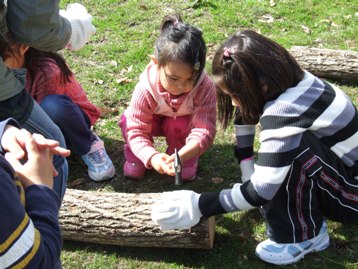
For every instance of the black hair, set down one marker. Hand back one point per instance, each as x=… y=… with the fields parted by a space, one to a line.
x=252 y=70
x=34 y=63
x=179 y=41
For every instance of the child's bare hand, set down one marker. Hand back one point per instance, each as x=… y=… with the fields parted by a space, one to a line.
x=13 y=141
x=168 y=167
x=158 y=162
x=10 y=142
x=38 y=168
x=52 y=145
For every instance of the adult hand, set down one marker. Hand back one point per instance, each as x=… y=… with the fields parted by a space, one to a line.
x=177 y=210
x=38 y=167
x=81 y=23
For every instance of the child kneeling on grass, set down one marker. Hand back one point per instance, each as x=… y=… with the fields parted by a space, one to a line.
x=307 y=164
x=174 y=98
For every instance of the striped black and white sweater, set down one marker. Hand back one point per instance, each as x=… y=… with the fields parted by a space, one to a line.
x=313 y=105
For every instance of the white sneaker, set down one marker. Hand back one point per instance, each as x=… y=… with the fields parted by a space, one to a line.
x=280 y=254
x=100 y=166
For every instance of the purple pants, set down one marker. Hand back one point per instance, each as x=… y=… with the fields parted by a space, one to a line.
x=175 y=131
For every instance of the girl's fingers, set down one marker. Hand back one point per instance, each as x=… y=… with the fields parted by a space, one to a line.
x=60 y=151
x=55 y=173
x=43 y=143
x=31 y=147
x=12 y=159
x=169 y=159
x=10 y=141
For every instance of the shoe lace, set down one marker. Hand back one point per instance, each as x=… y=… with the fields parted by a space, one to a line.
x=97 y=152
x=98 y=156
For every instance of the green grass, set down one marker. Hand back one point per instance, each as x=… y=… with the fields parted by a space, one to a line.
x=126 y=32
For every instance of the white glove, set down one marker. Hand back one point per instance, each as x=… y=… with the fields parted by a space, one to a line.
x=177 y=210
x=81 y=23
x=247 y=168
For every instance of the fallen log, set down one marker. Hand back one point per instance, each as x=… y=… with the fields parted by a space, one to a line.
x=123 y=219
x=327 y=63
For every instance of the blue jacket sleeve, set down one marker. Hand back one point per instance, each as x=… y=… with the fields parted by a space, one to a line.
x=29 y=238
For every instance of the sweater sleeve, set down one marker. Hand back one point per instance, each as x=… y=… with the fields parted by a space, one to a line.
x=240 y=197
x=29 y=238
x=204 y=117
x=245 y=135
x=139 y=116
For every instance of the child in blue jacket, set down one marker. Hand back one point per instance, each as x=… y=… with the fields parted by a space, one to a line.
x=30 y=235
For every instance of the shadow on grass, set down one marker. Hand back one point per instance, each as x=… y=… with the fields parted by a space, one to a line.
x=215 y=163
x=234 y=247
x=237 y=234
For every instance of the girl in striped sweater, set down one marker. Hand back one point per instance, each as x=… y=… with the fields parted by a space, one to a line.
x=307 y=164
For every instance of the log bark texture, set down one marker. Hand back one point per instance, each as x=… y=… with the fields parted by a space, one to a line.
x=123 y=219
x=327 y=63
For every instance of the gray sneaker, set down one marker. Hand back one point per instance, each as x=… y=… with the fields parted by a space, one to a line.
x=100 y=166
x=280 y=254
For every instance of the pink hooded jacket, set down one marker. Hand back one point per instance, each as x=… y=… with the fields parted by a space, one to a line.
x=149 y=98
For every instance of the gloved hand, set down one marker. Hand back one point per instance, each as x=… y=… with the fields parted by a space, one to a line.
x=177 y=210
x=81 y=23
x=247 y=168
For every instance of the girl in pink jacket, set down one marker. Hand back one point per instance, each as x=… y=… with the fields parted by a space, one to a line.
x=174 y=98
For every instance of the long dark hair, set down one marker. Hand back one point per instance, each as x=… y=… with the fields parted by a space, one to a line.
x=34 y=62
x=252 y=70
x=179 y=41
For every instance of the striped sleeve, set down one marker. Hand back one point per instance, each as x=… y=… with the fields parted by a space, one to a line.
x=311 y=106
x=245 y=135
x=204 y=122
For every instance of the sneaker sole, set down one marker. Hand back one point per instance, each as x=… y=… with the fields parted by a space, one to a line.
x=106 y=177
x=322 y=246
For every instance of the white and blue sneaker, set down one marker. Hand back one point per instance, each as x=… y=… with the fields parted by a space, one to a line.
x=100 y=166
x=280 y=254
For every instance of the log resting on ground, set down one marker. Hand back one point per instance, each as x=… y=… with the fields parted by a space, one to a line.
x=124 y=219
x=327 y=63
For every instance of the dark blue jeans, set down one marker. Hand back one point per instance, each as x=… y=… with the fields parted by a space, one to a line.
x=72 y=120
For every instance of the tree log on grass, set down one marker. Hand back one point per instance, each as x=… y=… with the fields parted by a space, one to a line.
x=327 y=63
x=124 y=219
